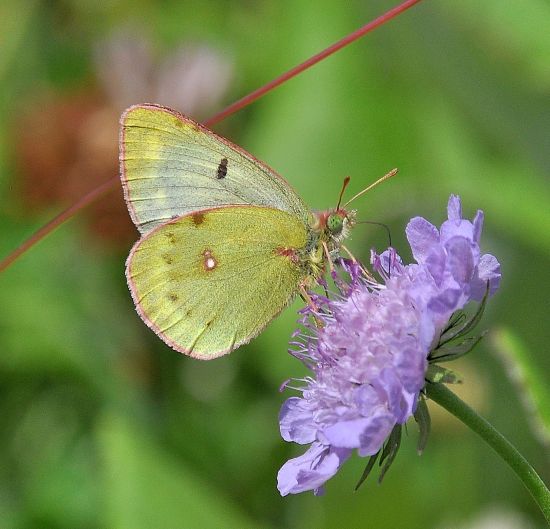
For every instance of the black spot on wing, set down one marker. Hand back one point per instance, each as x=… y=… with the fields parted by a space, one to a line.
x=222 y=169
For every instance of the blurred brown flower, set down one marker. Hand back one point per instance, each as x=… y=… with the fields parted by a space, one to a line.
x=66 y=145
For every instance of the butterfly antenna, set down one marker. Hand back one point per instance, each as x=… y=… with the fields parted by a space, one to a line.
x=393 y=172
x=385 y=226
x=344 y=185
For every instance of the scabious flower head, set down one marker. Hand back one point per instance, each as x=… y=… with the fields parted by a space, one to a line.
x=368 y=346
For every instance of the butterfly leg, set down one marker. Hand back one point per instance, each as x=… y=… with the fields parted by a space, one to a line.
x=329 y=260
x=307 y=298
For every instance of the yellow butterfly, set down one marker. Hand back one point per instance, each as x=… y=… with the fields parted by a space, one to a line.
x=225 y=242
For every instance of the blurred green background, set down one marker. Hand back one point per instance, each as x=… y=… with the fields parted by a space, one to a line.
x=101 y=425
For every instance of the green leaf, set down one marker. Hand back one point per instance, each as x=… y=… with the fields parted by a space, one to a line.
x=422 y=417
x=367 y=471
x=452 y=351
x=390 y=451
x=439 y=374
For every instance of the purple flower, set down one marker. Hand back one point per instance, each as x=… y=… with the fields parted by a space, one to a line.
x=451 y=257
x=370 y=355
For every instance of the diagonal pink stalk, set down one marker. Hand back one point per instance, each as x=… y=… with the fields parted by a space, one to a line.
x=352 y=37
x=56 y=221
x=231 y=109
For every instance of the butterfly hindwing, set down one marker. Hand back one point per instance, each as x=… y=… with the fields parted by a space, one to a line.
x=211 y=280
x=172 y=166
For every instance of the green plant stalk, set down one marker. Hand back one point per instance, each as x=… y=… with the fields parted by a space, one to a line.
x=448 y=400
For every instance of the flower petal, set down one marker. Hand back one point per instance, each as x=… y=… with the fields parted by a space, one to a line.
x=435 y=264
x=460 y=260
x=446 y=302
x=310 y=470
x=478 y=225
x=375 y=434
x=487 y=270
x=454 y=208
x=366 y=398
x=411 y=366
x=456 y=228
x=347 y=434
x=422 y=237
x=296 y=421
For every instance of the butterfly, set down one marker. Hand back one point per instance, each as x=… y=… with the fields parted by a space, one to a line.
x=225 y=243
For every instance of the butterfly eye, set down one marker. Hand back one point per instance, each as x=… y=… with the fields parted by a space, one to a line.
x=335 y=224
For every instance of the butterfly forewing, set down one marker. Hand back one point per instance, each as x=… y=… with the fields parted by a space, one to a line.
x=172 y=166
x=210 y=281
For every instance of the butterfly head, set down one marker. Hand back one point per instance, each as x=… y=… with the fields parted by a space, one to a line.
x=334 y=225
x=339 y=224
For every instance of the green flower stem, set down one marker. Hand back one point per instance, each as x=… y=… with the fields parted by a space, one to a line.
x=448 y=400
